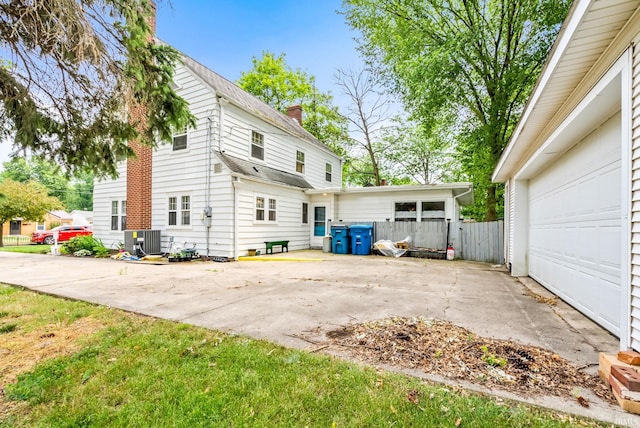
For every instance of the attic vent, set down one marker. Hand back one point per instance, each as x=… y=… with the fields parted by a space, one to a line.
x=217 y=168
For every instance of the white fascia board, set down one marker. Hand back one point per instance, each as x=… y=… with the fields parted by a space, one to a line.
x=462 y=187
x=599 y=104
x=579 y=10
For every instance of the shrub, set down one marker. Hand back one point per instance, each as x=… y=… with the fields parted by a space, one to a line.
x=88 y=243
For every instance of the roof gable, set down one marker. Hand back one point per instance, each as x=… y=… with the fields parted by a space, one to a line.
x=249 y=103
x=572 y=69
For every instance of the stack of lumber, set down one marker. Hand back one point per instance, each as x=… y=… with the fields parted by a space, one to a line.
x=402 y=244
x=621 y=373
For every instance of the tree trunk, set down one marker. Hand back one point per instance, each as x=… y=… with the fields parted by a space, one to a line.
x=491 y=203
x=1 y=229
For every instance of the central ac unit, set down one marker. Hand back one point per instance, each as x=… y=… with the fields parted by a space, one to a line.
x=148 y=241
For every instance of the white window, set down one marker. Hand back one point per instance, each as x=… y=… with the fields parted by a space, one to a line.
x=257 y=145
x=327 y=172
x=173 y=211
x=265 y=209
x=180 y=140
x=40 y=227
x=185 y=210
x=406 y=211
x=259 y=208
x=432 y=211
x=179 y=215
x=123 y=215
x=300 y=162
x=272 y=210
x=118 y=215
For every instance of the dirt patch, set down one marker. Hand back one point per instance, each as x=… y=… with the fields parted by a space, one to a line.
x=439 y=347
x=20 y=351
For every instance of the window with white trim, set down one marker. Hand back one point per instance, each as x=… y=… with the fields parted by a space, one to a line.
x=272 y=210
x=432 y=210
x=173 y=211
x=265 y=209
x=180 y=140
x=300 y=162
x=305 y=213
x=123 y=215
x=257 y=145
x=118 y=215
x=406 y=211
x=179 y=209
x=259 y=208
x=328 y=168
x=185 y=210
x=40 y=227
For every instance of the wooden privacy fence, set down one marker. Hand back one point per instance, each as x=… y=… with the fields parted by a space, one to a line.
x=481 y=242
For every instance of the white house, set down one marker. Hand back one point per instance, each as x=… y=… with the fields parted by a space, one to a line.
x=572 y=170
x=245 y=175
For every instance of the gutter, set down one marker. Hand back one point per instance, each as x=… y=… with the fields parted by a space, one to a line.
x=235 y=181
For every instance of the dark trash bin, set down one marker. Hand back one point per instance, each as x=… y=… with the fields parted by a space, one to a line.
x=361 y=239
x=340 y=239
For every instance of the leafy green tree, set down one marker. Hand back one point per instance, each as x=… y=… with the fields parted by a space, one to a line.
x=28 y=200
x=421 y=155
x=80 y=196
x=280 y=86
x=475 y=59
x=76 y=193
x=70 y=71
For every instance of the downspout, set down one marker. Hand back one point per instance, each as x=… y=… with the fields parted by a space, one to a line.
x=207 y=207
x=455 y=200
x=234 y=181
x=221 y=103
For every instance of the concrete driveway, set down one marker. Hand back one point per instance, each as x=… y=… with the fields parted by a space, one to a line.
x=307 y=293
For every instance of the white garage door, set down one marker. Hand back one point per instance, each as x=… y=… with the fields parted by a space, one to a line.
x=575 y=241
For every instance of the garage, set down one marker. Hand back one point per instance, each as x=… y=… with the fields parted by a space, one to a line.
x=575 y=225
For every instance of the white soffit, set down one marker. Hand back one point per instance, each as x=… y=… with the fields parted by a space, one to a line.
x=587 y=32
x=602 y=103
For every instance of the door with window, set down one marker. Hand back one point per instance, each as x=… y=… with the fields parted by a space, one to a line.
x=319 y=221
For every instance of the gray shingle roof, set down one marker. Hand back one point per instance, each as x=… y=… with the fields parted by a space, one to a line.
x=248 y=102
x=252 y=169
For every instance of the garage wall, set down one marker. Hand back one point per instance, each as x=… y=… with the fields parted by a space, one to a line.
x=575 y=226
x=635 y=198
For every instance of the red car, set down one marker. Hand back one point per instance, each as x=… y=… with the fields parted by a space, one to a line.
x=64 y=234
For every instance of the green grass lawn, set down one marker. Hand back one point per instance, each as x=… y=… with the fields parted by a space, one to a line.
x=130 y=370
x=31 y=249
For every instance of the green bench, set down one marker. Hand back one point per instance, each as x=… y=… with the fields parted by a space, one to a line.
x=271 y=244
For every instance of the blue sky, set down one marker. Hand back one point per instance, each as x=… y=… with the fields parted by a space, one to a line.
x=225 y=35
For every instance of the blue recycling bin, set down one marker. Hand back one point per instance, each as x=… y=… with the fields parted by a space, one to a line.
x=340 y=239
x=361 y=237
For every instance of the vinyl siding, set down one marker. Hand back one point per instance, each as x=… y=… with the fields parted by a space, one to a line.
x=288 y=225
x=104 y=192
x=184 y=173
x=635 y=198
x=279 y=148
x=380 y=206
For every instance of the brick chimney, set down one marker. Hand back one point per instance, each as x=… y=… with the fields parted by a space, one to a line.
x=295 y=112
x=139 y=168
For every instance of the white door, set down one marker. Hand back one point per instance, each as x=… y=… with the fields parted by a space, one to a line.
x=575 y=242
